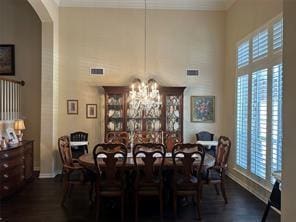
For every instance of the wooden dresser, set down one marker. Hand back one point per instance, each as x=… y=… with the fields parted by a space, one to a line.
x=16 y=167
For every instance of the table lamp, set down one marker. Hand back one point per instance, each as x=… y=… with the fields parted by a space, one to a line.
x=19 y=125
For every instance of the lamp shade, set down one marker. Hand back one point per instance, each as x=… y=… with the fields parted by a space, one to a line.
x=19 y=124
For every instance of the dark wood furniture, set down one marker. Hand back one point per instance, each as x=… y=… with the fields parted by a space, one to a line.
x=16 y=167
x=187 y=174
x=78 y=137
x=149 y=180
x=87 y=161
x=118 y=137
x=216 y=174
x=275 y=196
x=73 y=173
x=169 y=118
x=109 y=179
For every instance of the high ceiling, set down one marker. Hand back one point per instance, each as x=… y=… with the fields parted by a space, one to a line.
x=151 y=4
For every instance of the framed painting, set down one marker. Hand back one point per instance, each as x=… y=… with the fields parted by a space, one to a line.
x=203 y=109
x=91 y=111
x=72 y=107
x=7 y=60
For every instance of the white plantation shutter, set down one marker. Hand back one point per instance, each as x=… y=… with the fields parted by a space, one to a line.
x=243 y=54
x=276 y=123
x=259 y=95
x=277 y=34
x=242 y=121
x=259 y=123
x=260 y=44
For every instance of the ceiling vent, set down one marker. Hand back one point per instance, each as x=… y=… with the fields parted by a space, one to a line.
x=96 y=71
x=192 y=72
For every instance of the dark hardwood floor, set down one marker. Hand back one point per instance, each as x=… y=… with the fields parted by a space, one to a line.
x=40 y=201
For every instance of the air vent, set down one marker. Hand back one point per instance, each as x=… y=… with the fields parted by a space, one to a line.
x=192 y=72
x=96 y=71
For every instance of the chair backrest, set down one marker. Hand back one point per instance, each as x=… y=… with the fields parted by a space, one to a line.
x=65 y=150
x=204 y=136
x=78 y=137
x=188 y=161
x=222 y=151
x=109 y=158
x=149 y=159
x=118 y=137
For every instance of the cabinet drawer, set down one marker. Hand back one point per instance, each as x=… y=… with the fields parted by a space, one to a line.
x=10 y=174
x=11 y=186
x=9 y=164
x=11 y=154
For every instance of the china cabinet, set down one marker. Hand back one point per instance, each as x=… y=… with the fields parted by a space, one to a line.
x=166 y=119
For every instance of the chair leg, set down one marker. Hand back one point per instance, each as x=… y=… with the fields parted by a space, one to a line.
x=66 y=189
x=217 y=189
x=198 y=203
x=161 y=206
x=136 y=207
x=266 y=212
x=97 y=208
x=91 y=193
x=223 y=191
x=70 y=190
x=122 y=207
x=175 y=205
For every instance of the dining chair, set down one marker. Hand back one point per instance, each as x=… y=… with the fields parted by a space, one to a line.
x=79 y=136
x=149 y=159
x=110 y=160
x=216 y=174
x=206 y=136
x=72 y=172
x=187 y=161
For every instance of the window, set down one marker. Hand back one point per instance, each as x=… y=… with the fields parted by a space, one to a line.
x=259 y=123
x=259 y=102
x=242 y=121
x=276 y=137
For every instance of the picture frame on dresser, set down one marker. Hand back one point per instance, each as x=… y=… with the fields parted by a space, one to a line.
x=12 y=138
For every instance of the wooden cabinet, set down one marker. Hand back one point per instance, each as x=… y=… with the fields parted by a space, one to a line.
x=16 y=167
x=167 y=119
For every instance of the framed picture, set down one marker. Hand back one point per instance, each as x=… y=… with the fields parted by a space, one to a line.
x=91 y=111
x=7 y=60
x=203 y=109
x=11 y=136
x=72 y=107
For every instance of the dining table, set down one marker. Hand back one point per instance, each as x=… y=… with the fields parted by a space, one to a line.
x=87 y=161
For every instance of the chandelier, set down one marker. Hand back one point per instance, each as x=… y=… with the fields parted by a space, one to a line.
x=144 y=97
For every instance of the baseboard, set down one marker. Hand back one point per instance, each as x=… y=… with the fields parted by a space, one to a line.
x=247 y=187
x=48 y=175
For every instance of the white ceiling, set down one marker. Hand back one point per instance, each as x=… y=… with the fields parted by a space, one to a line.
x=151 y=4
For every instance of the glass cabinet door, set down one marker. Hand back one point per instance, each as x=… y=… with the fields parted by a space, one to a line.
x=133 y=118
x=173 y=119
x=114 y=113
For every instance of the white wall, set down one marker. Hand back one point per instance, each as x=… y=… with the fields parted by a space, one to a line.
x=16 y=18
x=114 y=39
